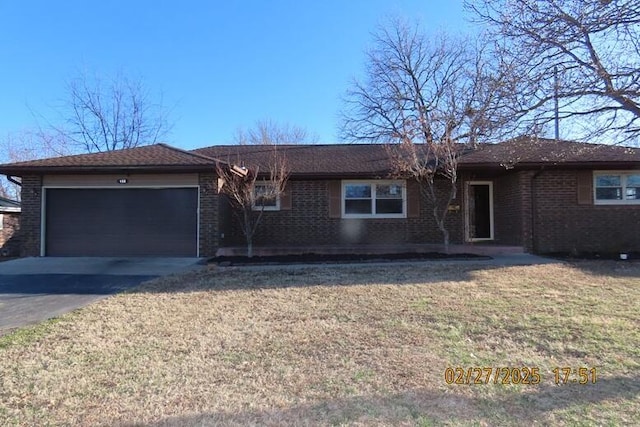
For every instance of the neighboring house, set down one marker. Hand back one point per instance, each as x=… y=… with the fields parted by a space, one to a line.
x=542 y=195
x=9 y=226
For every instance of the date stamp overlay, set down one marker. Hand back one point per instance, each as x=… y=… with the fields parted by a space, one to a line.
x=560 y=375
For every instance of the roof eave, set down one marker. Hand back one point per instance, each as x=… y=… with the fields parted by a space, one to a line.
x=68 y=170
x=340 y=175
x=553 y=165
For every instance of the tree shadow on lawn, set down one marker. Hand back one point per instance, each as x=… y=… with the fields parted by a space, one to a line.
x=424 y=406
x=214 y=278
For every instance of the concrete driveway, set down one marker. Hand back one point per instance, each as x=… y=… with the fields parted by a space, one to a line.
x=35 y=289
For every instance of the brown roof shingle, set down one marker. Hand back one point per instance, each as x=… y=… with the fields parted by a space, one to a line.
x=149 y=157
x=316 y=160
x=328 y=160
x=527 y=151
x=373 y=159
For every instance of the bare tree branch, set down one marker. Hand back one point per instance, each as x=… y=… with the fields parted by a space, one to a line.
x=248 y=187
x=27 y=145
x=111 y=115
x=593 y=45
x=239 y=183
x=427 y=98
x=269 y=132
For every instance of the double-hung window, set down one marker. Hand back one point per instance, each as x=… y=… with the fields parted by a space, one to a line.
x=374 y=199
x=616 y=188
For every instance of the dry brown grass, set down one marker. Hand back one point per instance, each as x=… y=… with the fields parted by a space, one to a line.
x=360 y=345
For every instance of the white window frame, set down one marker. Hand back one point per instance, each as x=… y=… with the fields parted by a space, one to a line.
x=261 y=207
x=374 y=183
x=623 y=174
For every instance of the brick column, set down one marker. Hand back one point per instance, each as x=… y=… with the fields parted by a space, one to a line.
x=527 y=213
x=209 y=230
x=30 y=221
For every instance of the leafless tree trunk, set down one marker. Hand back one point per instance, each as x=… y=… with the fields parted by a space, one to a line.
x=429 y=98
x=583 y=54
x=434 y=167
x=239 y=184
x=111 y=115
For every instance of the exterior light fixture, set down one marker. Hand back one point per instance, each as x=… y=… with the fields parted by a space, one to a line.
x=240 y=171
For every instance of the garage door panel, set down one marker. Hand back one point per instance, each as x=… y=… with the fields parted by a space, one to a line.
x=121 y=222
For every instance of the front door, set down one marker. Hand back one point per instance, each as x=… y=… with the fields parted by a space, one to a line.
x=479 y=212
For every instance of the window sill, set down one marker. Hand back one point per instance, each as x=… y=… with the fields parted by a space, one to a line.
x=265 y=209
x=617 y=202
x=382 y=216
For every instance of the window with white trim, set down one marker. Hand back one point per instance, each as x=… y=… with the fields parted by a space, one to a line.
x=616 y=188
x=264 y=199
x=374 y=199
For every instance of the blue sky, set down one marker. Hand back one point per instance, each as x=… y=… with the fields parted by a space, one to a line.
x=219 y=65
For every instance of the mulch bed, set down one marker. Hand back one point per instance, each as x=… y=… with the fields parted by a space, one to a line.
x=313 y=258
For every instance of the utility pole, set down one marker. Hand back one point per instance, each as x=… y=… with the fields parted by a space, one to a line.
x=556 y=106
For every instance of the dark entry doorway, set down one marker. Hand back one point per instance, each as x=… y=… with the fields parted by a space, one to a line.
x=479 y=215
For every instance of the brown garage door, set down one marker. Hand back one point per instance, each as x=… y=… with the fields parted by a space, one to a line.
x=121 y=222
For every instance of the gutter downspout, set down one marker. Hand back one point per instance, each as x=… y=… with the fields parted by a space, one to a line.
x=534 y=208
x=11 y=179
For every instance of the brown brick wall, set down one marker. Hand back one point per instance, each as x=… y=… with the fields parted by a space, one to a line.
x=209 y=236
x=512 y=209
x=308 y=223
x=507 y=202
x=564 y=226
x=31 y=201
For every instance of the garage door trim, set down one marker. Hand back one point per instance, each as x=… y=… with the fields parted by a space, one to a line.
x=43 y=204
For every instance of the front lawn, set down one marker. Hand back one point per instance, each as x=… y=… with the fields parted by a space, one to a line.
x=348 y=345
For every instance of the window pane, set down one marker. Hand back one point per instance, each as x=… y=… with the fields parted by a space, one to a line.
x=388 y=191
x=389 y=206
x=633 y=193
x=608 y=181
x=633 y=181
x=262 y=198
x=609 y=193
x=357 y=206
x=357 y=191
x=266 y=201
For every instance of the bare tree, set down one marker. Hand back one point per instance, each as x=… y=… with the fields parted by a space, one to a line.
x=579 y=58
x=109 y=115
x=268 y=132
x=432 y=95
x=251 y=190
x=22 y=146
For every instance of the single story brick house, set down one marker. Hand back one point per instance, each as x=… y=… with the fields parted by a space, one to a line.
x=542 y=195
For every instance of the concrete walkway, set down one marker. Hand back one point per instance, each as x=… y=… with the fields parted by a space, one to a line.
x=35 y=289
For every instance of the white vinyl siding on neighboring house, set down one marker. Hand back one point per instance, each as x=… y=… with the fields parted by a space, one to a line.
x=616 y=187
